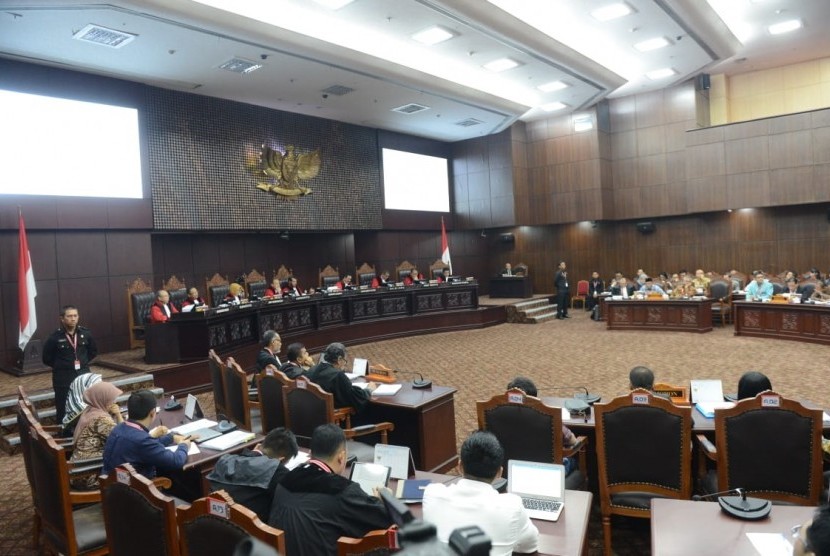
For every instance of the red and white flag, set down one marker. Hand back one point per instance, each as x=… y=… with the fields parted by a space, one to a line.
x=445 y=247
x=26 y=290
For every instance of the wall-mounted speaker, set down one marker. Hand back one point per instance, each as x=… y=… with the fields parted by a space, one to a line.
x=703 y=82
x=645 y=227
x=507 y=238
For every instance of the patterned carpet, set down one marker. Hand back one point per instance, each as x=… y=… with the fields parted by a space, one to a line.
x=577 y=351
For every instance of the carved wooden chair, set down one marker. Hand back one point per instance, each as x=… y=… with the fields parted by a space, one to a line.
x=217 y=381
x=375 y=543
x=255 y=284
x=721 y=291
x=177 y=290
x=329 y=276
x=270 y=385
x=237 y=398
x=282 y=274
x=216 y=524
x=532 y=431
x=783 y=435
x=364 y=274
x=140 y=298
x=403 y=270
x=520 y=269
x=644 y=450
x=216 y=288
x=439 y=269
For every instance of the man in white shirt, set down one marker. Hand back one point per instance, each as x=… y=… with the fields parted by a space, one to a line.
x=474 y=501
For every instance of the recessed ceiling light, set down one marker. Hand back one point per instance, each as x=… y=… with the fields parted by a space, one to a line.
x=611 y=11
x=553 y=86
x=334 y=4
x=784 y=27
x=660 y=73
x=501 y=64
x=433 y=35
x=553 y=106
x=652 y=44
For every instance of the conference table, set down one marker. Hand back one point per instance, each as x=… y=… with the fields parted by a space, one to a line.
x=801 y=322
x=687 y=315
x=686 y=528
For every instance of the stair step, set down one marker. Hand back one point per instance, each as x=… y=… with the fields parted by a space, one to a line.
x=524 y=305
x=544 y=317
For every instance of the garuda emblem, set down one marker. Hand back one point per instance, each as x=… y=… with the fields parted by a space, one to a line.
x=281 y=173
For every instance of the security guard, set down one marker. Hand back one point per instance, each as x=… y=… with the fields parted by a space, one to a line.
x=68 y=352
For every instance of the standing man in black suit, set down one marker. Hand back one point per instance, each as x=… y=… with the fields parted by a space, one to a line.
x=595 y=287
x=561 y=283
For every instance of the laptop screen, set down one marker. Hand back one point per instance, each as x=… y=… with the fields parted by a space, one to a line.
x=706 y=391
x=536 y=479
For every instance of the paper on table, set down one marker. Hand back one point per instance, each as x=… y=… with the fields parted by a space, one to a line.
x=770 y=544
x=194 y=449
x=298 y=460
x=387 y=389
x=194 y=426
x=566 y=414
x=228 y=440
x=361 y=385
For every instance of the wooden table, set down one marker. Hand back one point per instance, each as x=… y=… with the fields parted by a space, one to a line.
x=511 y=286
x=802 y=322
x=566 y=537
x=687 y=315
x=685 y=528
x=424 y=420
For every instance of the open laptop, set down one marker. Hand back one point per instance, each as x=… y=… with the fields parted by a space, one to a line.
x=706 y=391
x=201 y=427
x=541 y=486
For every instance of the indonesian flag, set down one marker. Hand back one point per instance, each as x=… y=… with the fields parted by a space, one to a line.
x=26 y=291
x=445 y=247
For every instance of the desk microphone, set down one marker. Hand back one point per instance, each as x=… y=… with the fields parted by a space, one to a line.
x=580 y=404
x=739 y=506
x=419 y=384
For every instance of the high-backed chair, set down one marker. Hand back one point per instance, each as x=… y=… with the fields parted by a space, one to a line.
x=520 y=269
x=139 y=519
x=215 y=525
x=308 y=406
x=65 y=530
x=771 y=447
x=777 y=285
x=375 y=543
x=328 y=276
x=439 y=269
x=808 y=287
x=581 y=293
x=741 y=277
x=140 y=298
x=272 y=404
x=721 y=291
x=237 y=400
x=644 y=451
x=403 y=270
x=217 y=381
x=364 y=274
x=282 y=274
x=530 y=430
x=255 y=284
x=177 y=290
x=216 y=288
x=22 y=396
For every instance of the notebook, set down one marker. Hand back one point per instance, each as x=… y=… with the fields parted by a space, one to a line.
x=541 y=486
x=370 y=476
x=228 y=440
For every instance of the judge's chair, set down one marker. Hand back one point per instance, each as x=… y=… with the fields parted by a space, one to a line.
x=309 y=406
x=177 y=290
x=140 y=299
x=329 y=276
x=403 y=270
x=520 y=269
x=532 y=431
x=364 y=274
x=439 y=269
x=216 y=524
x=644 y=451
x=770 y=446
x=255 y=284
x=217 y=288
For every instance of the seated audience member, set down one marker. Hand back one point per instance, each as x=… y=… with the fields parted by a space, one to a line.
x=474 y=501
x=734 y=283
x=664 y=282
x=298 y=361
x=640 y=277
x=819 y=293
x=274 y=290
x=623 y=288
x=345 y=283
x=193 y=301
x=615 y=281
x=132 y=442
x=162 y=308
x=329 y=373
x=701 y=282
x=683 y=288
x=252 y=476
x=235 y=295
x=793 y=288
x=790 y=275
x=751 y=384
x=595 y=287
x=641 y=377
x=95 y=424
x=813 y=536
x=75 y=403
x=271 y=344
x=315 y=505
x=651 y=287
x=760 y=289
x=381 y=281
x=292 y=288
x=413 y=277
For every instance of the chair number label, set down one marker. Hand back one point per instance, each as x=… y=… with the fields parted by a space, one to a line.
x=122 y=476
x=301 y=384
x=770 y=401
x=640 y=398
x=514 y=397
x=218 y=508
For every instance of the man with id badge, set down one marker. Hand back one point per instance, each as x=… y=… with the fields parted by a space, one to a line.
x=68 y=351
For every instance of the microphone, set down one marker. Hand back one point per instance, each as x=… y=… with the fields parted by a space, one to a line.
x=419 y=384
x=740 y=506
x=580 y=404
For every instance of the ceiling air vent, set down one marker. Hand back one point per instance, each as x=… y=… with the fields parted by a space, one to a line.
x=103 y=36
x=337 y=90
x=240 y=65
x=410 y=108
x=469 y=122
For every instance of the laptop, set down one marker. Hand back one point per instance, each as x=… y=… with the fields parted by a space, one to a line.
x=541 y=486
x=706 y=391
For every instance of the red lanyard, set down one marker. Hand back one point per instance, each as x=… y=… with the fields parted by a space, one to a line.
x=73 y=341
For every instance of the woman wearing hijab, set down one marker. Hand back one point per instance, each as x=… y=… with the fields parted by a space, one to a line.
x=75 y=404
x=94 y=426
